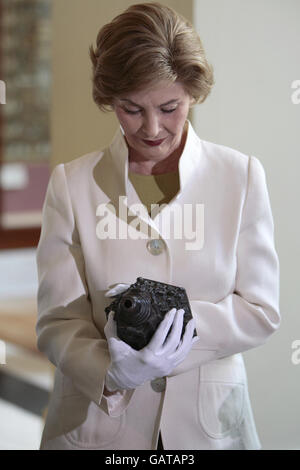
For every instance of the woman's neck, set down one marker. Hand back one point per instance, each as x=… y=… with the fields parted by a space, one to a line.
x=150 y=167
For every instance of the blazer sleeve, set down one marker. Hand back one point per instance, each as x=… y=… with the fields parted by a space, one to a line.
x=65 y=329
x=250 y=314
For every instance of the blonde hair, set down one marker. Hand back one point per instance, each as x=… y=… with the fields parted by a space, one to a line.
x=147 y=43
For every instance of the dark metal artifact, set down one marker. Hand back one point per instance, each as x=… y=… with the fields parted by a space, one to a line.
x=140 y=309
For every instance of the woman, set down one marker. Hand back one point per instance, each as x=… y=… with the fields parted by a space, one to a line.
x=211 y=232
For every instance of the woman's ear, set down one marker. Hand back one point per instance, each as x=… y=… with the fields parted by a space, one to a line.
x=192 y=102
x=113 y=104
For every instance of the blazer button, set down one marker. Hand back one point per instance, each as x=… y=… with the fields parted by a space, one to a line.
x=155 y=247
x=159 y=385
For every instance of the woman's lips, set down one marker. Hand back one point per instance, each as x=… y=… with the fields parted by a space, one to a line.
x=153 y=143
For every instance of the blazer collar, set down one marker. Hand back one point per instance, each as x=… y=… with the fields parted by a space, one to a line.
x=189 y=158
x=188 y=162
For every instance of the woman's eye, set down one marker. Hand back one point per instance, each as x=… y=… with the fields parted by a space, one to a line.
x=128 y=111
x=169 y=110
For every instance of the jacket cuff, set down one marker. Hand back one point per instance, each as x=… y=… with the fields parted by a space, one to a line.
x=116 y=403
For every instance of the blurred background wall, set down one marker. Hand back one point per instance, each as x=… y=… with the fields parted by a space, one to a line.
x=254 y=47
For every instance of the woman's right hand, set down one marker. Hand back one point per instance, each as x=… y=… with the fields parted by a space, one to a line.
x=130 y=368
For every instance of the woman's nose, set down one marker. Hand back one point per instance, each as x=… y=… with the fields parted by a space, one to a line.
x=151 y=126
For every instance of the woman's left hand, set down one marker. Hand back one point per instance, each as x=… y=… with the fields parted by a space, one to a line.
x=118 y=289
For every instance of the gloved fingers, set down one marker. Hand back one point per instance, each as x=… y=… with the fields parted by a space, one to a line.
x=186 y=343
x=118 y=289
x=160 y=335
x=173 y=340
x=110 y=328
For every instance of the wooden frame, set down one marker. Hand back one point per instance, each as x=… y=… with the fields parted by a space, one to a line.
x=19 y=238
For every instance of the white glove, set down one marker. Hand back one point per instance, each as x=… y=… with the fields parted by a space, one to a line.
x=130 y=368
x=118 y=289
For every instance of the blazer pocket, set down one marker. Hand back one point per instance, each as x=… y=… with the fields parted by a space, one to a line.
x=222 y=397
x=86 y=426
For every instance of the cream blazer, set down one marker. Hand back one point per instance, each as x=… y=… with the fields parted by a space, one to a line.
x=231 y=280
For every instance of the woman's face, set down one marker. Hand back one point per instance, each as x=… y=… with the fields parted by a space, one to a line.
x=153 y=120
